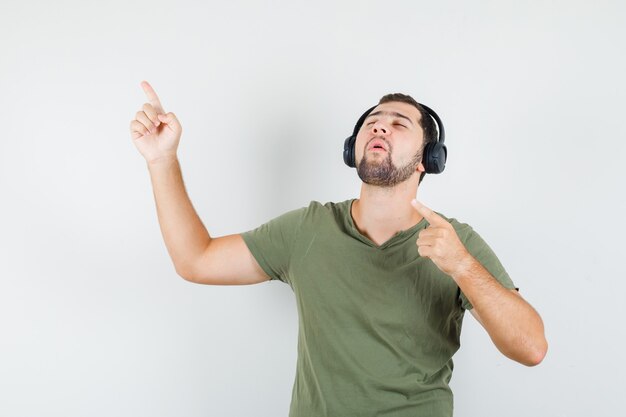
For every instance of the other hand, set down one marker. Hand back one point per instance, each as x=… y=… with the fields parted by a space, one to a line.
x=440 y=243
x=156 y=134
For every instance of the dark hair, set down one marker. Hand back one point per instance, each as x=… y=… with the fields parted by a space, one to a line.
x=426 y=122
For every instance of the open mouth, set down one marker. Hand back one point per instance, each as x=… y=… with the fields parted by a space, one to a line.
x=377 y=145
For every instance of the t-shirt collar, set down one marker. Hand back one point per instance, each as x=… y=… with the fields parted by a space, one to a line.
x=396 y=239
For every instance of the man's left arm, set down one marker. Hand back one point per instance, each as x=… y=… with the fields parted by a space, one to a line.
x=512 y=323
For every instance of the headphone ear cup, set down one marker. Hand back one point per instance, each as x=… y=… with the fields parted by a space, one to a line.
x=348 y=151
x=349 y=144
x=435 y=155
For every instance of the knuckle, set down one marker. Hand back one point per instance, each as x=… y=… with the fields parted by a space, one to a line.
x=149 y=111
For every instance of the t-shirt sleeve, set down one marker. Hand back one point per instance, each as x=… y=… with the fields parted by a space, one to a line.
x=272 y=243
x=480 y=250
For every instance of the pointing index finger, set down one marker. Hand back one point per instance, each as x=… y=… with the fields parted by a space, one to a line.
x=431 y=216
x=152 y=97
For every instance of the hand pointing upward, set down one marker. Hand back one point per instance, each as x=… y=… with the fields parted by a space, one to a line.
x=156 y=134
x=440 y=243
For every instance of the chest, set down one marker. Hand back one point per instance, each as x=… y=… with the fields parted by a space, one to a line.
x=341 y=279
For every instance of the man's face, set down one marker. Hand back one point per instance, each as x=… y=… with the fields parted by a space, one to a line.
x=388 y=145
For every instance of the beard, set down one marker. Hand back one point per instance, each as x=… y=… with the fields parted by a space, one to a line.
x=383 y=173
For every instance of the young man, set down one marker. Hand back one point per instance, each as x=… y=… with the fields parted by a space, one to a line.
x=381 y=282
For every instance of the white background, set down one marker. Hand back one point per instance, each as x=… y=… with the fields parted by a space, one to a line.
x=94 y=320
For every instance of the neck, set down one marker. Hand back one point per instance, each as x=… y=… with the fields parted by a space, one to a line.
x=380 y=212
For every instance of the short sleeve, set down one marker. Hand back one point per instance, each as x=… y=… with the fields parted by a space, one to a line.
x=480 y=250
x=272 y=243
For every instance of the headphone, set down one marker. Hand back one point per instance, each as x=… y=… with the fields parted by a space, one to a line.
x=433 y=158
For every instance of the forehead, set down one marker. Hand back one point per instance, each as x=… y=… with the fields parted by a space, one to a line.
x=404 y=109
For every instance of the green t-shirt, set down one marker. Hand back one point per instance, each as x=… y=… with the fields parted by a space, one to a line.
x=378 y=325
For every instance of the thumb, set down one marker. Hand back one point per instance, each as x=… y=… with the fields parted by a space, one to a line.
x=170 y=120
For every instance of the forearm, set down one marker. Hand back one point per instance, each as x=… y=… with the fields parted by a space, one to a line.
x=183 y=232
x=514 y=326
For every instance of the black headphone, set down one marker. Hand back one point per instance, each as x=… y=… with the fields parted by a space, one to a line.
x=433 y=158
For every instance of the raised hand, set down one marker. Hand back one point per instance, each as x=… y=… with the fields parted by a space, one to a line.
x=156 y=134
x=440 y=243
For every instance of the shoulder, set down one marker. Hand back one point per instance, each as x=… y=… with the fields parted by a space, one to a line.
x=316 y=208
x=306 y=213
x=319 y=215
x=328 y=208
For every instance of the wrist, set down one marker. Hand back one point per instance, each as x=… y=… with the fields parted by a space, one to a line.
x=162 y=161
x=466 y=267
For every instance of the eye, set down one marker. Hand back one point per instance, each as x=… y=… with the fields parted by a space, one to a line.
x=400 y=124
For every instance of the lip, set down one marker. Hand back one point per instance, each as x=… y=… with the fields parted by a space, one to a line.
x=377 y=142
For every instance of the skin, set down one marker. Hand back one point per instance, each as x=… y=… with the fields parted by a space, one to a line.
x=514 y=326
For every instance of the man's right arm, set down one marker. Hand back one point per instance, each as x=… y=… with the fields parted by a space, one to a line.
x=197 y=256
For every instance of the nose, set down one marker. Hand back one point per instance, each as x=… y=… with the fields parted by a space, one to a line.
x=378 y=128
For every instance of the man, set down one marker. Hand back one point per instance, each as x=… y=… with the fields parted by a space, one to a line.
x=381 y=282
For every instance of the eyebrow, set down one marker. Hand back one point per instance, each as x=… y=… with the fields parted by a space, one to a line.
x=388 y=113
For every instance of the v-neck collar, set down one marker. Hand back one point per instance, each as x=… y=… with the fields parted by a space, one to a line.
x=398 y=238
